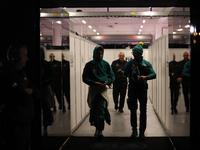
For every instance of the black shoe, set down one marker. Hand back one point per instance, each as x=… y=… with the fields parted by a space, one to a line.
x=142 y=136
x=116 y=107
x=121 y=110
x=134 y=134
x=175 y=111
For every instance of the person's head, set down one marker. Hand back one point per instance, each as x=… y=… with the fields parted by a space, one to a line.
x=17 y=55
x=174 y=57
x=185 y=56
x=121 y=56
x=51 y=57
x=98 y=53
x=137 y=52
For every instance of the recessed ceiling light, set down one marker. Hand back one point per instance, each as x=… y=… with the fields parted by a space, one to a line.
x=144 y=21
x=179 y=29
x=187 y=26
x=90 y=26
x=97 y=33
x=58 y=22
x=141 y=26
x=174 y=32
x=83 y=21
x=94 y=30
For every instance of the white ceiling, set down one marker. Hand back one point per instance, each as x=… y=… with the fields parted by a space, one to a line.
x=118 y=25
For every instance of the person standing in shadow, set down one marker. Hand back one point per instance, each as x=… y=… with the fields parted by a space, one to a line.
x=17 y=100
x=66 y=81
x=56 y=86
x=175 y=79
x=47 y=94
x=185 y=81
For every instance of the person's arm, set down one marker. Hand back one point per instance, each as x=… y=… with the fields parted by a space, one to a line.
x=111 y=75
x=86 y=75
x=152 y=74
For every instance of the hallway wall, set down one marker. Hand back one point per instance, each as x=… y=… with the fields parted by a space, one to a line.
x=159 y=92
x=81 y=51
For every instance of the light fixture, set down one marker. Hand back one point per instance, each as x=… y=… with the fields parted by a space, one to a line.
x=140 y=30
x=141 y=26
x=90 y=26
x=97 y=33
x=174 y=32
x=187 y=26
x=58 y=22
x=144 y=21
x=179 y=29
x=94 y=30
x=83 y=21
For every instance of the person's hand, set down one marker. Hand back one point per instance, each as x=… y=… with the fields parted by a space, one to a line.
x=29 y=91
x=142 y=77
x=179 y=80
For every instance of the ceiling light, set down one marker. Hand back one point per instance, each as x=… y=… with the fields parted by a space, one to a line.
x=174 y=32
x=140 y=30
x=141 y=26
x=97 y=33
x=83 y=21
x=187 y=26
x=144 y=21
x=90 y=26
x=94 y=30
x=179 y=29
x=58 y=22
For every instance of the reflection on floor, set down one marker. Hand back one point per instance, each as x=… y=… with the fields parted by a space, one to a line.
x=180 y=122
x=120 y=123
x=61 y=124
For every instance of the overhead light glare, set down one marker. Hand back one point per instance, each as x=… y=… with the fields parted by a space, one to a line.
x=94 y=30
x=83 y=21
x=139 y=33
x=58 y=22
x=140 y=30
x=187 y=26
x=97 y=33
x=174 y=32
x=179 y=29
x=90 y=26
x=141 y=26
x=144 y=21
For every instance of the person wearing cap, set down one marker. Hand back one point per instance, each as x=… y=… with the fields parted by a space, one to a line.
x=97 y=74
x=138 y=71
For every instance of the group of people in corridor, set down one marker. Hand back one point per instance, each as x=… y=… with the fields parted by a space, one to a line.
x=98 y=73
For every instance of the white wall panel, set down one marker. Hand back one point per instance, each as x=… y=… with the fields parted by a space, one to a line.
x=72 y=85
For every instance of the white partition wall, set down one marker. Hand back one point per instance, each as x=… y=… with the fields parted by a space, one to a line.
x=159 y=92
x=81 y=51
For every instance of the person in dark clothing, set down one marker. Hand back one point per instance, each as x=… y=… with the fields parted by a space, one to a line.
x=56 y=87
x=66 y=81
x=47 y=95
x=17 y=100
x=175 y=79
x=138 y=71
x=120 y=85
x=97 y=74
x=185 y=84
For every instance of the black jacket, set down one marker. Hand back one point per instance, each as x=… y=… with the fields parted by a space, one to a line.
x=16 y=104
x=174 y=67
x=116 y=66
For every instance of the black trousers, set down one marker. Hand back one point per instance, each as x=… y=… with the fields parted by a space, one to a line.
x=119 y=89
x=174 y=88
x=133 y=96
